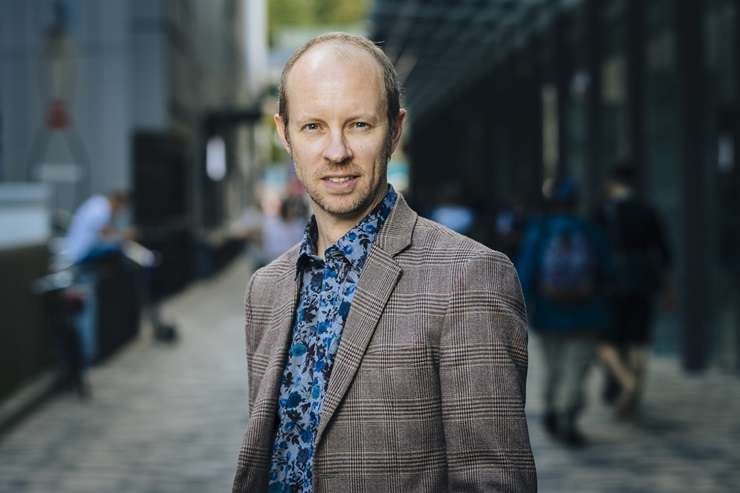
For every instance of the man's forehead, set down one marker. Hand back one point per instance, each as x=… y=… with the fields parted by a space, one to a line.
x=320 y=60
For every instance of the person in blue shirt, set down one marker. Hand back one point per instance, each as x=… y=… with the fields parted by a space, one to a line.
x=97 y=232
x=98 y=227
x=564 y=267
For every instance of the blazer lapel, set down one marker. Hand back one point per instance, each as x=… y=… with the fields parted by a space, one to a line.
x=376 y=284
x=378 y=279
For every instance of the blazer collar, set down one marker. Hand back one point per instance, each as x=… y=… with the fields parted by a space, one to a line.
x=350 y=248
x=396 y=234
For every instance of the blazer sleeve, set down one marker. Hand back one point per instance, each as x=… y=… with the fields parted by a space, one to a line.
x=483 y=371
x=250 y=342
x=244 y=476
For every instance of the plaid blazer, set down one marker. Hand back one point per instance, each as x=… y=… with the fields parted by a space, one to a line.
x=428 y=385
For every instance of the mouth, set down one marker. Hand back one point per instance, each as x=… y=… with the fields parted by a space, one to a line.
x=339 y=179
x=344 y=183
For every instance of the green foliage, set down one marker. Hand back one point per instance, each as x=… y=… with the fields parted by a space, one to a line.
x=305 y=13
x=290 y=13
x=340 y=11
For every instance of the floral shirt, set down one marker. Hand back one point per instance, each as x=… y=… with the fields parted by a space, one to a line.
x=327 y=289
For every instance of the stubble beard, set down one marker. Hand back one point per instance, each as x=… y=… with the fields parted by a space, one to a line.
x=365 y=200
x=361 y=204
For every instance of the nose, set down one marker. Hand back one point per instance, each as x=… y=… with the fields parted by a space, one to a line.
x=337 y=151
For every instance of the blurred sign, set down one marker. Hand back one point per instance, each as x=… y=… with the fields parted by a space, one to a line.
x=216 y=159
x=725 y=153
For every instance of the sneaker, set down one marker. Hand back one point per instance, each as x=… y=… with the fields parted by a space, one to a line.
x=570 y=435
x=573 y=438
x=165 y=333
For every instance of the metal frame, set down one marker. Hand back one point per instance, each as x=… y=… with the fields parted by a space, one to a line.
x=443 y=46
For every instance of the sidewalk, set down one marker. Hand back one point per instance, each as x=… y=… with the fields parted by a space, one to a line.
x=161 y=418
x=686 y=438
x=169 y=419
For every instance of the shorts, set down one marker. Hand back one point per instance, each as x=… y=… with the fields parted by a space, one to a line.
x=633 y=319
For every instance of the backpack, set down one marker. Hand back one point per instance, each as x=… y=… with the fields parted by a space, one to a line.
x=567 y=267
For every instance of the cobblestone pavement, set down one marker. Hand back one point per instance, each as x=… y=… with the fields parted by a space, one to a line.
x=685 y=439
x=170 y=419
x=161 y=418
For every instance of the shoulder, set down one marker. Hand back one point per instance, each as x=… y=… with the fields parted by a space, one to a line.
x=266 y=280
x=95 y=206
x=436 y=243
x=98 y=203
x=477 y=278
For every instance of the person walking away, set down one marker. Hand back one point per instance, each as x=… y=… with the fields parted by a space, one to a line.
x=563 y=265
x=642 y=267
x=282 y=231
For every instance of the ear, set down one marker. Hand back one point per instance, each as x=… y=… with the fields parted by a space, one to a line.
x=400 y=119
x=282 y=130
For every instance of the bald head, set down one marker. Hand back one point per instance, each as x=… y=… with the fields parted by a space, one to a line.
x=349 y=49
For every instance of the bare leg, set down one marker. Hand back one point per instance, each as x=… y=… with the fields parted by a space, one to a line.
x=624 y=374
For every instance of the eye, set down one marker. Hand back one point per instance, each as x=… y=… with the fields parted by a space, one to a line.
x=310 y=126
x=361 y=125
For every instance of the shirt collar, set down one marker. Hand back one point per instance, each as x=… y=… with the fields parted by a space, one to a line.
x=355 y=245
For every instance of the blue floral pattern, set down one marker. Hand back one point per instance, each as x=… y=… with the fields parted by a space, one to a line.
x=327 y=289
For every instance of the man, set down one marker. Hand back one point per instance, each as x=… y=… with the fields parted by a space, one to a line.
x=94 y=230
x=94 y=234
x=385 y=352
x=100 y=230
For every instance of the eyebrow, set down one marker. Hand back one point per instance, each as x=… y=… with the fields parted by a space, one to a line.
x=359 y=116
x=364 y=116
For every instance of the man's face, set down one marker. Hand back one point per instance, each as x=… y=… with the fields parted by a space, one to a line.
x=337 y=130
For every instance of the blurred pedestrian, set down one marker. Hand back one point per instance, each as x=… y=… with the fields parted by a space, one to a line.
x=642 y=272
x=100 y=239
x=281 y=231
x=508 y=228
x=271 y=231
x=452 y=212
x=563 y=266
x=96 y=233
x=99 y=227
x=385 y=351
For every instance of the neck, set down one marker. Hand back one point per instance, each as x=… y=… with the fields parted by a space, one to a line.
x=331 y=227
x=328 y=234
